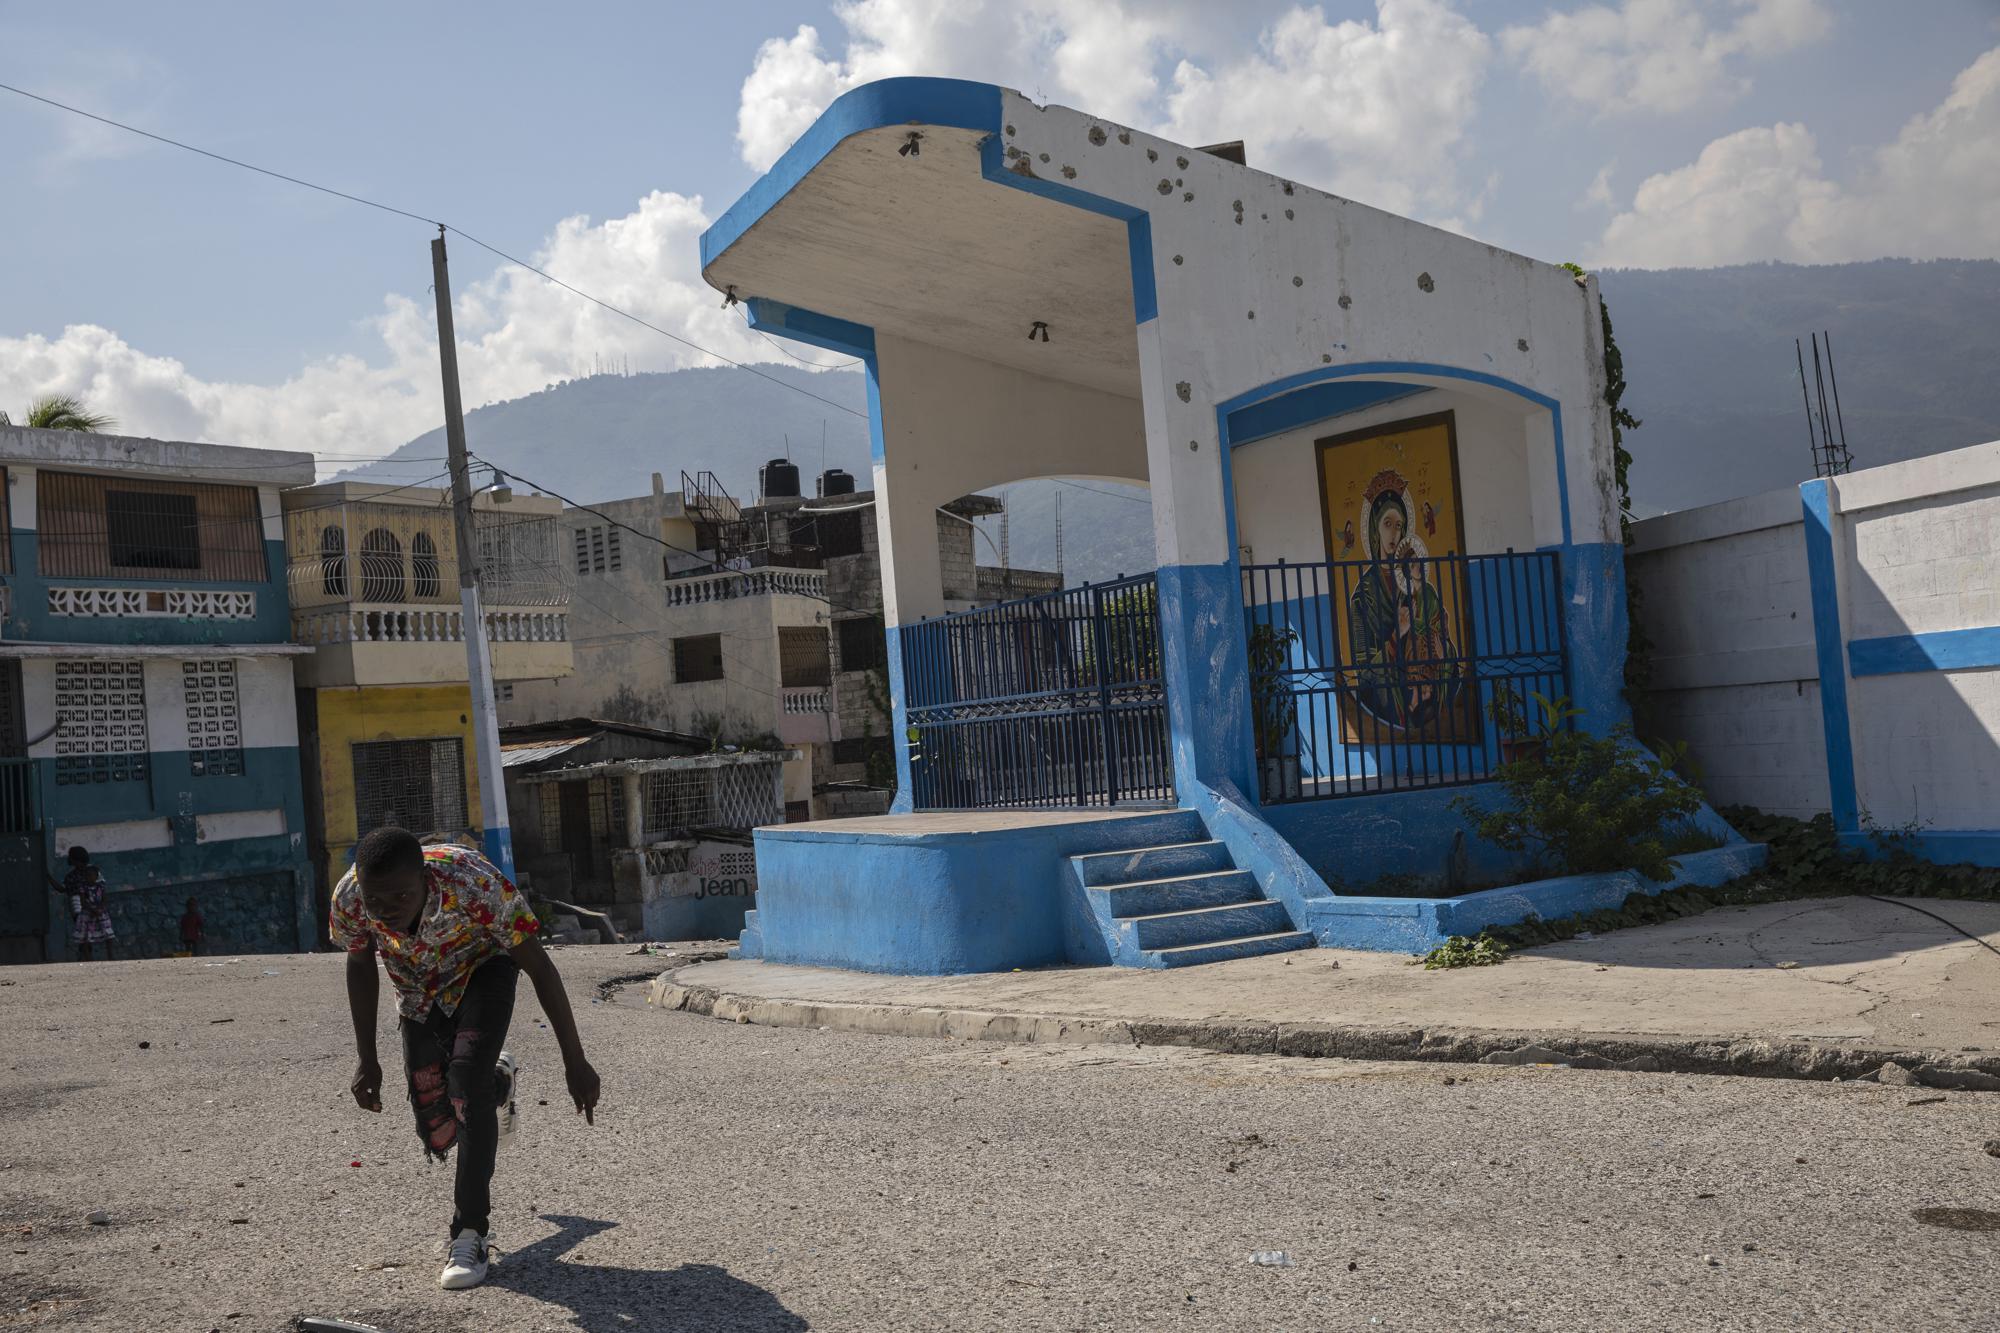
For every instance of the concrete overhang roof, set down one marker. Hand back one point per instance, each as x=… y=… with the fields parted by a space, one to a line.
x=949 y=246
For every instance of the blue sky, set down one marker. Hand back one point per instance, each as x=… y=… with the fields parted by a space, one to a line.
x=192 y=299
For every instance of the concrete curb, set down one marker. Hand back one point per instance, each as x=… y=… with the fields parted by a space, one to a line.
x=1744 y=1057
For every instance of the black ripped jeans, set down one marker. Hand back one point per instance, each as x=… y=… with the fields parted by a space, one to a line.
x=453 y=1087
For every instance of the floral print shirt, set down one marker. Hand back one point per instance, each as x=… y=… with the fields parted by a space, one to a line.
x=473 y=912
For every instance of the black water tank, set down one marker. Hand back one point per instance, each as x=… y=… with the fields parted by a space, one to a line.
x=835 y=481
x=779 y=480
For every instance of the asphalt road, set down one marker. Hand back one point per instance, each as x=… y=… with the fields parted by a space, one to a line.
x=740 y=1179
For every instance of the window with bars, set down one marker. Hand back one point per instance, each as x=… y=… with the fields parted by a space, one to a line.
x=100 y=722
x=864 y=644
x=597 y=550
x=424 y=566
x=128 y=527
x=6 y=526
x=381 y=566
x=416 y=785
x=802 y=659
x=697 y=658
x=736 y=796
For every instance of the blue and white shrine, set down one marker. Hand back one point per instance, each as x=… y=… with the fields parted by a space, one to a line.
x=1380 y=464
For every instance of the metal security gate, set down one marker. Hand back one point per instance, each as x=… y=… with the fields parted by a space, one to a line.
x=24 y=898
x=1046 y=702
x=1371 y=676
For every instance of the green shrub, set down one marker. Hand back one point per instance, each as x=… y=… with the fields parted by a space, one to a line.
x=1588 y=804
x=1459 y=951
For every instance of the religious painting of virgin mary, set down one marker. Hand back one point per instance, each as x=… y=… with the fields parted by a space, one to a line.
x=1400 y=603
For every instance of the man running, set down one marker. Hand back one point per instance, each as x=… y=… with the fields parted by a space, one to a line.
x=454 y=934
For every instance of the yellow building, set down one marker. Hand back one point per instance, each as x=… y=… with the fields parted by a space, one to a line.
x=385 y=714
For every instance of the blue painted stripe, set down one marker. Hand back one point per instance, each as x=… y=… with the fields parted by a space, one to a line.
x=1138 y=223
x=1944 y=650
x=946 y=103
x=809 y=326
x=1226 y=409
x=1275 y=416
x=1820 y=566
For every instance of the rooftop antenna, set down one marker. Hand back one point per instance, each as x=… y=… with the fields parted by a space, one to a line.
x=1826 y=429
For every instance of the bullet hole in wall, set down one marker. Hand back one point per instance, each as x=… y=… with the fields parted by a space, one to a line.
x=1184 y=390
x=1194 y=445
x=1425 y=283
x=1069 y=172
x=1521 y=344
x=1288 y=215
x=1124 y=136
x=1045 y=157
x=1183 y=163
x=1152 y=156
x=1177 y=259
x=1010 y=130
x=1298 y=281
x=1166 y=186
x=1097 y=135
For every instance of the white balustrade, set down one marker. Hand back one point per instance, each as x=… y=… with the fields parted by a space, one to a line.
x=408 y=624
x=708 y=588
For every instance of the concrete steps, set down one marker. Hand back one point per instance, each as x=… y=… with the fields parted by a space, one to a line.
x=1176 y=903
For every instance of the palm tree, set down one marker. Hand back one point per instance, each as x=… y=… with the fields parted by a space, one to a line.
x=62 y=411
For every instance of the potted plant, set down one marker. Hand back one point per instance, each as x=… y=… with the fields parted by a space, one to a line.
x=1520 y=739
x=1276 y=712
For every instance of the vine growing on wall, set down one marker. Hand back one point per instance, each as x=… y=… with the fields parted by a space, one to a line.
x=1638 y=647
x=881 y=761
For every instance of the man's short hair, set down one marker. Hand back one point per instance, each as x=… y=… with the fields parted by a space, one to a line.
x=387 y=851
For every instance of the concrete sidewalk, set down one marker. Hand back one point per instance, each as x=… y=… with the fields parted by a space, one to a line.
x=1827 y=988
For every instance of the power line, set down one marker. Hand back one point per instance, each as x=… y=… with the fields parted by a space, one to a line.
x=429 y=221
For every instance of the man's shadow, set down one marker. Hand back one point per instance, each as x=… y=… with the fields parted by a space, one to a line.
x=694 y=1298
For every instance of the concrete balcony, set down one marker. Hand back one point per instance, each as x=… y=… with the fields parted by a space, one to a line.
x=700 y=590
x=805 y=716
x=360 y=643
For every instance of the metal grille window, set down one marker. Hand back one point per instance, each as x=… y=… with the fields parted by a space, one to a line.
x=415 y=785
x=214 y=717
x=697 y=658
x=802 y=658
x=518 y=561
x=333 y=561
x=735 y=796
x=100 y=722
x=124 y=527
x=6 y=526
x=13 y=730
x=381 y=566
x=424 y=566
x=864 y=644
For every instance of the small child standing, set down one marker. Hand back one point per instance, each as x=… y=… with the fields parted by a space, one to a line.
x=90 y=916
x=191 y=930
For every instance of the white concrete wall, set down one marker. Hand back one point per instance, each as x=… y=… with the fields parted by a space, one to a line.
x=1916 y=543
x=1250 y=271
x=1728 y=605
x=1728 y=602
x=1279 y=507
x=952 y=425
x=266 y=707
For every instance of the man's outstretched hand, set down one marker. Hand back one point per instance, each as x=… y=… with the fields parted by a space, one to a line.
x=583 y=1086
x=367 y=1085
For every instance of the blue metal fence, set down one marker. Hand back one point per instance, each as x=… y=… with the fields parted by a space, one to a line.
x=1050 y=701
x=1370 y=676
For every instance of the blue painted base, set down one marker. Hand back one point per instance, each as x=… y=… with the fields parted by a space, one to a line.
x=498 y=845
x=928 y=904
x=717 y=918
x=1976 y=847
x=1417 y=925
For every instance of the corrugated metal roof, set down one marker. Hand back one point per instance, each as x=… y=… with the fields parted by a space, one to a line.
x=534 y=752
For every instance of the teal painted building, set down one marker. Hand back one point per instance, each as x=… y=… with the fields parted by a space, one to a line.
x=147 y=705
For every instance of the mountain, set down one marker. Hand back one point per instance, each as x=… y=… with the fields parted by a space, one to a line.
x=1714 y=376
x=1708 y=355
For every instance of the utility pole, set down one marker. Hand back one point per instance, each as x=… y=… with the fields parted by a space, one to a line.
x=499 y=839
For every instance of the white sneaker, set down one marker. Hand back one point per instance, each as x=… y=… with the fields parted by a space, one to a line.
x=467 y=1264
x=510 y=1078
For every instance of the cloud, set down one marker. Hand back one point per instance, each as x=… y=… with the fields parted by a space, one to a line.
x=1377 y=110
x=1764 y=194
x=516 y=332
x=1660 y=56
